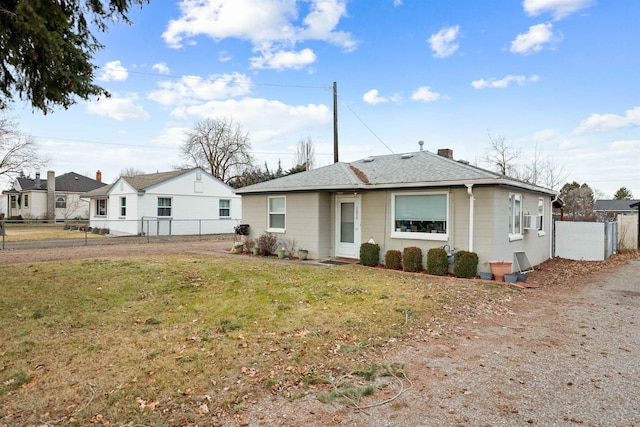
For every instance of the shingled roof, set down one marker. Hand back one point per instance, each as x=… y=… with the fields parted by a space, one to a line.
x=70 y=182
x=411 y=170
x=615 y=206
x=140 y=182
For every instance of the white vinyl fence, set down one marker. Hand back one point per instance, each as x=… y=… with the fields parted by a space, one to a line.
x=585 y=241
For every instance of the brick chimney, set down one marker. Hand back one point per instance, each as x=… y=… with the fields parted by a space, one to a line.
x=445 y=152
x=98 y=175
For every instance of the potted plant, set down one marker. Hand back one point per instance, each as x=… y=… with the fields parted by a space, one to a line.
x=303 y=254
x=499 y=269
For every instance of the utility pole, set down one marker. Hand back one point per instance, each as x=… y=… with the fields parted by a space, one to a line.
x=335 y=122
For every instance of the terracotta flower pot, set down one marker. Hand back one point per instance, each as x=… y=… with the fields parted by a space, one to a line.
x=500 y=268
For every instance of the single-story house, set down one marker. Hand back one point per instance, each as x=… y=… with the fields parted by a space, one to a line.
x=57 y=197
x=608 y=210
x=180 y=202
x=418 y=199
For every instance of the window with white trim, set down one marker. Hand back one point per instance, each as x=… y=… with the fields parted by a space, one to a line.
x=515 y=216
x=224 y=208
x=13 y=201
x=123 y=206
x=420 y=216
x=101 y=207
x=164 y=206
x=61 y=202
x=540 y=216
x=26 y=200
x=277 y=207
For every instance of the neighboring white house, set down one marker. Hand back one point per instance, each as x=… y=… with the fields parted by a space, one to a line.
x=56 y=197
x=182 y=202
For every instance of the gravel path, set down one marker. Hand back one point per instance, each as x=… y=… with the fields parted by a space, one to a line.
x=564 y=356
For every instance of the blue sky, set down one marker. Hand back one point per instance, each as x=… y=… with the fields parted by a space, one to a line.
x=559 y=75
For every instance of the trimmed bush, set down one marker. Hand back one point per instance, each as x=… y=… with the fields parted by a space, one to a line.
x=370 y=254
x=412 y=259
x=437 y=262
x=393 y=260
x=466 y=264
x=268 y=243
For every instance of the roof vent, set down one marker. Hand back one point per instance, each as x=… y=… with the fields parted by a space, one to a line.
x=421 y=144
x=368 y=160
x=406 y=156
x=464 y=162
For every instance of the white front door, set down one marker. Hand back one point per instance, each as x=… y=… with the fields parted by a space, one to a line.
x=348 y=226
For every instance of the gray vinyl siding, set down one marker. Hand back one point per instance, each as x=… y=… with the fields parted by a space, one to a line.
x=307 y=220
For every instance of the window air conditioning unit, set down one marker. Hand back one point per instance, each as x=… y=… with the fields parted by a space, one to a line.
x=532 y=222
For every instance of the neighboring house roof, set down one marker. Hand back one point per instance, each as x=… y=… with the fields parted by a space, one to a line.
x=70 y=182
x=142 y=182
x=615 y=205
x=412 y=170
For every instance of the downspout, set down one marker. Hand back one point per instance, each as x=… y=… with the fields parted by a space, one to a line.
x=471 y=205
x=552 y=227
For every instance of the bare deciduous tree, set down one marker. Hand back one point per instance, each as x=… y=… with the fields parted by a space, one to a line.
x=17 y=151
x=131 y=171
x=220 y=146
x=501 y=156
x=305 y=153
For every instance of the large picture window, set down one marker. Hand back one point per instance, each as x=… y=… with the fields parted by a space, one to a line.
x=277 y=213
x=420 y=216
x=515 y=216
x=164 y=206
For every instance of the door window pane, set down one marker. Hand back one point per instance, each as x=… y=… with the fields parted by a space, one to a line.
x=347 y=218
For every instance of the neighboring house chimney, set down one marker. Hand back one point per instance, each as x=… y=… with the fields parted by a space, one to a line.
x=51 y=195
x=37 y=185
x=99 y=176
x=445 y=152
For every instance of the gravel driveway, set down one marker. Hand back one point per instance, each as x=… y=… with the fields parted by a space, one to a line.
x=564 y=356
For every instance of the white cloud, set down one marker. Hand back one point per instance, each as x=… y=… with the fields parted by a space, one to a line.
x=373 y=98
x=118 y=108
x=425 y=94
x=224 y=56
x=272 y=26
x=544 y=135
x=534 y=40
x=161 y=68
x=504 y=82
x=443 y=43
x=567 y=145
x=113 y=71
x=193 y=89
x=603 y=122
x=260 y=114
x=397 y=3
x=282 y=60
x=557 y=8
x=626 y=146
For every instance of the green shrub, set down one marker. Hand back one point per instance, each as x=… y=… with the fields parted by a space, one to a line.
x=437 y=262
x=370 y=254
x=412 y=259
x=393 y=260
x=268 y=243
x=465 y=264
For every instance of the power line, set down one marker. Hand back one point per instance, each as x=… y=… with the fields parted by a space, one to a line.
x=365 y=125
